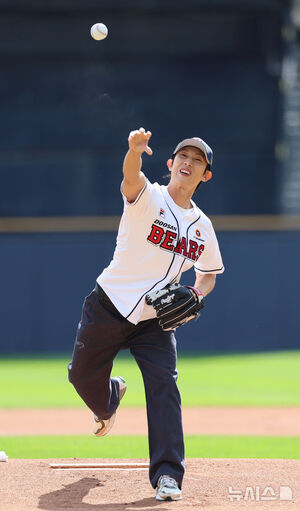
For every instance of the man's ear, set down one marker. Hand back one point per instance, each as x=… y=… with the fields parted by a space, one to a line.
x=208 y=175
x=169 y=163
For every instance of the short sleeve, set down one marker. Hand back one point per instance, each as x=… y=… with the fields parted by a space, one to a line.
x=143 y=199
x=210 y=260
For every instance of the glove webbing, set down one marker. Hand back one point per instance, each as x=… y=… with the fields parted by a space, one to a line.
x=178 y=307
x=177 y=318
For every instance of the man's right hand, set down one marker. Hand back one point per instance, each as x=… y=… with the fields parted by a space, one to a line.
x=138 y=141
x=134 y=179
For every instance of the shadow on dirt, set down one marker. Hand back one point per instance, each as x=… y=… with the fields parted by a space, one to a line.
x=71 y=495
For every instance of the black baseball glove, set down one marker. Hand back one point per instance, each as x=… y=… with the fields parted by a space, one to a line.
x=175 y=305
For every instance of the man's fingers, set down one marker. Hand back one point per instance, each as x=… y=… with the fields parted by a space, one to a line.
x=137 y=139
x=133 y=133
x=140 y=131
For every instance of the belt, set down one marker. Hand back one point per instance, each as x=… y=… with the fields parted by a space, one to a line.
x=106 y=300
x=100 y=291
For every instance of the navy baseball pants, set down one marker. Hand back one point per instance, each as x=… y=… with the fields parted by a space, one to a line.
x=102 y=333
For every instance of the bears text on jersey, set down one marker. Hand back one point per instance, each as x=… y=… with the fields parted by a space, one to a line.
x=165 y=239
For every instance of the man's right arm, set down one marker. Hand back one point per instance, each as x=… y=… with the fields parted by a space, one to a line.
x=134 y=179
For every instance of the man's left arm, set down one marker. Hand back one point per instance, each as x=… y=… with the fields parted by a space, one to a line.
x=205 y=283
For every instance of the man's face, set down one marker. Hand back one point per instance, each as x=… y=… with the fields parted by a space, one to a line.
x=189 y=167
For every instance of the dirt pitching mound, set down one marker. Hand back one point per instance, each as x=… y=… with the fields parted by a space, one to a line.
x=212 y=484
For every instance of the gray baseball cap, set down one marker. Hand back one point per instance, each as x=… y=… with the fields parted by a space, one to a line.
x=200 y=144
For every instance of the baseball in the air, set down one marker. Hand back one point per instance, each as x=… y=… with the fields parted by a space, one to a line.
x=99 y=31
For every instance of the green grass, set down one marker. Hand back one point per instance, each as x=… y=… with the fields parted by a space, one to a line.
x=137 y=447
x=242 y=379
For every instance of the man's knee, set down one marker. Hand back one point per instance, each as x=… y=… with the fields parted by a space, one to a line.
x=76 y=377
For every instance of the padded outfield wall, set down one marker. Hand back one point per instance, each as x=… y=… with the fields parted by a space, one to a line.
x=44 y=278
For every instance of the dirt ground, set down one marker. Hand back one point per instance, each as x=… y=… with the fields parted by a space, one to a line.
x=196 y=421
x=29 y=485
x=212 y=484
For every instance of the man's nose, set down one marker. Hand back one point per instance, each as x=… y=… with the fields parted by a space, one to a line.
x=188 y=162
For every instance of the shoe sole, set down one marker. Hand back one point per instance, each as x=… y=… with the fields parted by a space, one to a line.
x=168 y=498
x=104 y=430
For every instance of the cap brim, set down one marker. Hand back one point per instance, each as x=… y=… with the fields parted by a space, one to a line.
x=199 y=144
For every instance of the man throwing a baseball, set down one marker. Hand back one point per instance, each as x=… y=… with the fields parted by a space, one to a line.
x=138 y=303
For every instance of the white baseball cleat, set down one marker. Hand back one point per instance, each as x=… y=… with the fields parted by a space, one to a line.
x=167 y=489
x=103 y=426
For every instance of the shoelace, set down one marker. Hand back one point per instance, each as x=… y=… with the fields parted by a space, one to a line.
x=168 y=481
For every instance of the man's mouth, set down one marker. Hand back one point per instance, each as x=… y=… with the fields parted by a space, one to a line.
x=185 y=172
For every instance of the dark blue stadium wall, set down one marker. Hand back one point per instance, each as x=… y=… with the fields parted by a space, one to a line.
x=180 y=69
x=254 y=306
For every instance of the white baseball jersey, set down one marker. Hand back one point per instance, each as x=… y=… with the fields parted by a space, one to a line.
x=157 y=241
